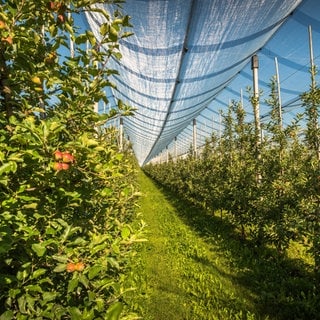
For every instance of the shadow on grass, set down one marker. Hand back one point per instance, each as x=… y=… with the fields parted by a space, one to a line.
x=284 y=287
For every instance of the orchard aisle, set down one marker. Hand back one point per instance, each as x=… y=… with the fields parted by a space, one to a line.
x=183 y=276
x=164 y=298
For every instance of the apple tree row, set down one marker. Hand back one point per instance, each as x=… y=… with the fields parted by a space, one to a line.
x=269 y=190
x=67 y=193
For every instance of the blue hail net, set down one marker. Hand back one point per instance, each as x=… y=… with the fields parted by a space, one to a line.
x=188 y=59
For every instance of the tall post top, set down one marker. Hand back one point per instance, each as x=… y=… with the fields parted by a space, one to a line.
x=254 y=62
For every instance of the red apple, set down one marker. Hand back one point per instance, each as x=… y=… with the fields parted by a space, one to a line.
x=67 y=157
x=8 y=39
x=58 y=166
x=56 y=6
x=65 y=166
x=58 y=155
x=3 y=25
x=79 y=266
x=61 y=18
x=71 y=267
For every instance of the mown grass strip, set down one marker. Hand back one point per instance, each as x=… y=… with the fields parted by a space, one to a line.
x=184 y=277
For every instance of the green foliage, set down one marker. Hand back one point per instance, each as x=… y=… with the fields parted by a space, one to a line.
x=310 y=200
x=270 y=192
x=65 y=220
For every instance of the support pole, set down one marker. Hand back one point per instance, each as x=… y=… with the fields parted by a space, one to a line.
x=70 y=39
x=212 y=123
x=220 y=126
x=121 y=134
x=194 y=144
x=313 y=80
x=175 y=148
x=167 y=154
x=256 y=111
x=43 y=107
x=279 y=92
x=255 y=100
x=313 y=88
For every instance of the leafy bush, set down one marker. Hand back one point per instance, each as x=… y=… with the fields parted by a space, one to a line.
x=67 y=193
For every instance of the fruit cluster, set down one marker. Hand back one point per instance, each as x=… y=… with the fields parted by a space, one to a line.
x=71 y=267
x=63 y=160
x=5 y=39
x=60 y=9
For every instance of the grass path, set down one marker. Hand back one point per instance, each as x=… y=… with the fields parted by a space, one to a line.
x=184 y=278
x=164 y=299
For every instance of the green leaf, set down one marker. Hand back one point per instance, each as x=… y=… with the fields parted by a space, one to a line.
x=55 y=126
x=61 y=267
x=63 y=259
x=88 y=314
x=125 y=233
x=104 y=29
x=91 y=38
x=75 y=313
x=94 y=271
x=113 y=34
x=69 y=28
x=87 y=142
x=106 y=192
x=84 y=280
x=126 y=34
x=14 y=292
x=33 y=205
x=22 y=304
x=49 y=296
x=66 y=233
x=33 y=287
x=73 y=283
x=98 y=248
x=22 y=275
x=38 y=273
x=113 y=262
x=8 y=167
x=53 y=30
x=115 y=249
x=117 y=55
x=82 y=38
x=7 y=315
x=39 y=249
x=114 y=311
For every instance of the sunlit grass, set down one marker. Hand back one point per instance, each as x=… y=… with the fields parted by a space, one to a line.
x=183 y=276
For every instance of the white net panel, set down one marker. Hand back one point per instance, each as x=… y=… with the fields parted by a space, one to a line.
x=188 y=59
